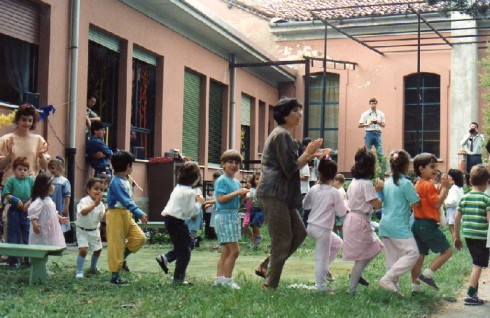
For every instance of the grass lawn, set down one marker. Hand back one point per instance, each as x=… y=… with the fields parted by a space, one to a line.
x=151 y=293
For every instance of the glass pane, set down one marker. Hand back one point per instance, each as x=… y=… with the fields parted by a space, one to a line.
x=432 y=118
x=331 y=139
x=314 y=116
x=432 y=95
x=331 y=116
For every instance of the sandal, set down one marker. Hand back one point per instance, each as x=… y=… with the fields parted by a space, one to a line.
x=260 y=272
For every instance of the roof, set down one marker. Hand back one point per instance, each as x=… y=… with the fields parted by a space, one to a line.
x=299 y=10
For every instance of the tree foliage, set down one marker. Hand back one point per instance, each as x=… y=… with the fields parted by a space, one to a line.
x=485 y=85
x=476 y=8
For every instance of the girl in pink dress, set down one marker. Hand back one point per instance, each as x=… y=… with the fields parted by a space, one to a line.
x=361 y=244
x=45 y=226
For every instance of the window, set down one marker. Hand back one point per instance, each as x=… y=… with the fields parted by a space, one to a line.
x=323 y=121
x=18 y=69
x=192 y=106
x=422 y=123
x=215 y=131
x=103 y=76
x=246 y=104
x=143 y=107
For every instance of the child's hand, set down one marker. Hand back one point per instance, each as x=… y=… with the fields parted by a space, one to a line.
x=26 y=206
x=243 y=191
x=458 y=244
x=208 y=204
x=144 y=219
x=63 y=220
x=98 y=199
x=200 y=199
x=20 y=205
x=36 y=227
x=446 y=181
x=378 y=185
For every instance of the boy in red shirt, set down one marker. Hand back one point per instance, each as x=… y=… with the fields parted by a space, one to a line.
x=426 y=225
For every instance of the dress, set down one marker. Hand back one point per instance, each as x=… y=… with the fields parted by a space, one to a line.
x=44 y=211
x=62 y=189
x=360 y=242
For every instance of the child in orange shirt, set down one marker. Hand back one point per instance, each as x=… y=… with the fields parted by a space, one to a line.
x=425 y=227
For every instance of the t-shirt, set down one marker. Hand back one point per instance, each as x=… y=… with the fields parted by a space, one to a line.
x=305 y=172
x=474 y=207
x=225 y=185
x=324 y=201
x=429 y=196
x=19 y=188
x=93 y=218
x=359 y=194
x=395 y=222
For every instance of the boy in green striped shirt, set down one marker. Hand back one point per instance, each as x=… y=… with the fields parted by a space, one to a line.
x=473 y=215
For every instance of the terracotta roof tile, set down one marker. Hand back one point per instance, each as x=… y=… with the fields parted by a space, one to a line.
x=299 y=10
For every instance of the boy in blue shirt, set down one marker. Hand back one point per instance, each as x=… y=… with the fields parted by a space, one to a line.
x=124 y=236
x=98 y=153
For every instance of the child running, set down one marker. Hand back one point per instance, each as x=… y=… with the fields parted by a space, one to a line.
x=62 y=190
x=124 y=236
x=17 y=191
x=229 y=196
x=324 y=201
x=45 y=221
x=338 y=183
x=90 y=211
x=182 y=205
x=399 y=194
x=454 y=196
x=360 y=242
x=474 y=216
x=425 y=227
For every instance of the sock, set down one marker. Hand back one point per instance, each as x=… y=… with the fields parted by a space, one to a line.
x=80 y=262
x=428 y=273
x=416 y=288
x=126 y=253
x=115 y=275
x=93 y=261
x=389 y=278
x=472 y=291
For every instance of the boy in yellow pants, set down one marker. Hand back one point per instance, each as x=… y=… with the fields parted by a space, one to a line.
x=124 y=236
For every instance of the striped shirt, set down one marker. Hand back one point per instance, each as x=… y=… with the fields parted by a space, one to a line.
x=474 y=207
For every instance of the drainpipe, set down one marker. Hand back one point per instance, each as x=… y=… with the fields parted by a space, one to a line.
x=232 y=102
x=72 y=120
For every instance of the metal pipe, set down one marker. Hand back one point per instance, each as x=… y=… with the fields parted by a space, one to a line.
x=307 y=97
x=72 y=120
x=232 y=101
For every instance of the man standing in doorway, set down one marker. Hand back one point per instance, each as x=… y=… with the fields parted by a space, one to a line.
x=473 y=144
x=372 y=121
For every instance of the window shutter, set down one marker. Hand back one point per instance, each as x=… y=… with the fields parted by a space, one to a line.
x=20 y=20
x=215 y=122
x=144 y=56
x=245 y=110
x=190 y=130
x=104 y=39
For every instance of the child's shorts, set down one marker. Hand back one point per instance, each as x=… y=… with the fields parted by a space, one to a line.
x=479 y=251
x=227 y=226
x=256 y=217
x=429 y=236
x=339 y=220
x=90 y=239
x=450 y=216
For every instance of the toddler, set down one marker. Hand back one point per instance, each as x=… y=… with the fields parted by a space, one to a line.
x=453 y=197
x=62 y=190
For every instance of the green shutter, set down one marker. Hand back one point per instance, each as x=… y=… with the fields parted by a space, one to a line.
x=190 y=130
x=104 y=39
x=245 y=110
x=215 y=122
x=144 y=56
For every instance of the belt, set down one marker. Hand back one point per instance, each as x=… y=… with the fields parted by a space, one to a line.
x=374 y=131
x=86 y=229
x=475 y=155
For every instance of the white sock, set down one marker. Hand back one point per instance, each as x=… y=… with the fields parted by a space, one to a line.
x=428 y=273
x=416 y=288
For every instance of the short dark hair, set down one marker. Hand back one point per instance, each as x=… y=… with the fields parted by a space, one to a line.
x=373 y=100
x=231 y=154
x=327 y=169
x=422 y=160
x=479 y=175
x=457 y=176
x=121 y=160
x=217 y=174
x=283 y=107
x=96 y=125
x=20 y=161
x=92 y=181
x=27 y=110
x=306 y=141
x=474 y=123
x=189 y=173
x=365 y=163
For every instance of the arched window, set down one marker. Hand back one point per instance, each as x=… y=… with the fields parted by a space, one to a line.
x=422 y=129
x=323 y=122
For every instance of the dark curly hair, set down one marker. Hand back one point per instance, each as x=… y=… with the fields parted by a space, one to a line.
x=41 y=186
x=189 y=173
x=457 y=176
x=365 y=163
x=283 y=107
x=27 y=110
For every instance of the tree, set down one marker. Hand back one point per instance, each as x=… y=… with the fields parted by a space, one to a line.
x=474 y=8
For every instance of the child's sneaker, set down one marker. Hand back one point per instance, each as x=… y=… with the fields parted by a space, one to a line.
x=388 y=285
x=429 y=281
x=258 y=240
x=79 y=275
x=119 y=282
x=231 y=283
x=218 y=281
x=125 y=267
x=474 y=301
x=162 y=261
x=93 y=271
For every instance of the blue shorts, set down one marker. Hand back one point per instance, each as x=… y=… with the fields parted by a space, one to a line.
x=256 y=217
x=227 y=226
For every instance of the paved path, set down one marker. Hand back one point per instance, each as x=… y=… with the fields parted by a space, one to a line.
x=459 y=310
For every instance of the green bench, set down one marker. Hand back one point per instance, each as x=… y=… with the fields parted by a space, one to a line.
x=38 y=255
x=149 y=225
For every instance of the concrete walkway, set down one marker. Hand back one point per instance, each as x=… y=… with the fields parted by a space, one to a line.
x=459 y=310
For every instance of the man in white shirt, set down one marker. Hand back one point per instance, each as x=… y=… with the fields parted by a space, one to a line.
x=473 y=143
x=372 y=121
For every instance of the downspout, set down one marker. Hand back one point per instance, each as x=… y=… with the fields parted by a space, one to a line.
x=232 y=102
x=72 y=122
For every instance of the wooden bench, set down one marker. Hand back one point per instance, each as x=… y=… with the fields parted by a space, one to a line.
x=38 y=255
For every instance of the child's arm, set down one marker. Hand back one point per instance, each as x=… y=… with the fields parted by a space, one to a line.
x=66 y=207
x=86 y=210
x=378 y=203
x=446 y=183
x=457 y=224
x=35 y=226
x=120 y=194
x=228 y=197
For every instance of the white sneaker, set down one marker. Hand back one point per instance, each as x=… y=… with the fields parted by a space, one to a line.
x=388 y=285
x=79 y=275
x=231 y=283
x=218 y=281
